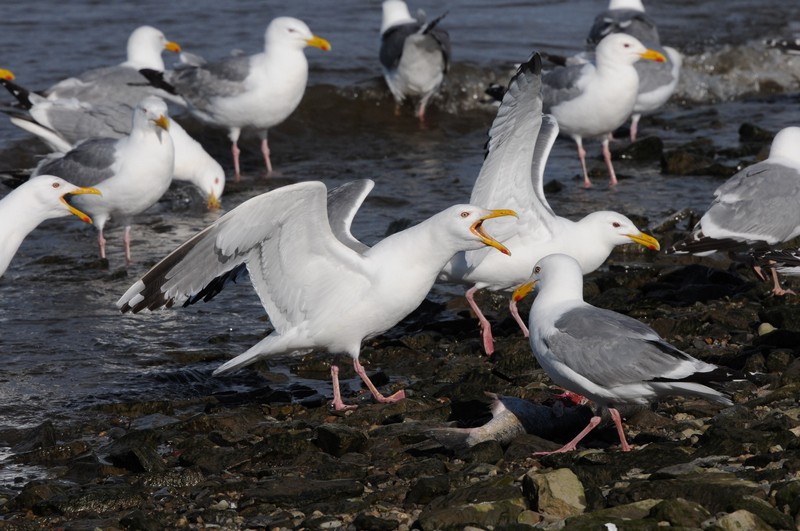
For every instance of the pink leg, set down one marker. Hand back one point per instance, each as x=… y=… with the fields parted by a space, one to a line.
x=573 y=398
x=618 y=423
x=265 y=152
x=582 y=155
x=235 y=151
x=101 y=242
x=634 y=126
x=512 y=305
x=337 y=403
x=777 y=290
x=570 y=446
x=486 y=328
x=399 y=395
x=126 y=239
x=607 y=156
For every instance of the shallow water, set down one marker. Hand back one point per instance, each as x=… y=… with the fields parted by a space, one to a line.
x=65 y=346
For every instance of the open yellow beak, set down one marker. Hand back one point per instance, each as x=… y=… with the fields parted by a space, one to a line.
x=8 y=75
x=172 y=47
x=162 y=122
x=213 y=202
x=653 y=55
x=522 y=291
x=477 y=229
x=646 y=240
x=319 y=42
x=81 y=215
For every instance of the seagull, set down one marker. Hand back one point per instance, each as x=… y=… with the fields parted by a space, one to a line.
x=610 y=358
x=132 y=172
x=25 y=207
x=63 y=123
x=754 y=210
x=123 y=82
x=657 y=81
x=258 y=91
x=318 y=292
x=414 y=55
x=593 y=100
x=513 y=173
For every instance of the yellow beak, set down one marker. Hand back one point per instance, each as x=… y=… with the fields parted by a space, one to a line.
x=6 y=74
x=477 y=229
x=172 y=47
x=646 y=240
x=213 y=202
x=522 y=291
x=319 y=42
x=81 y=215
x=162 y=122
x=653 y=55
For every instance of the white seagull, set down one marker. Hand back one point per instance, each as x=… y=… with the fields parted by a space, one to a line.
x=317 y=291
x=657 y=81
x=756 y=209
x=513 y=173
x=610 y=358
x=64 y=123
x=414 y=55
x=132 y=172
x=593 y=100
x=258 y=91
x=24 y=208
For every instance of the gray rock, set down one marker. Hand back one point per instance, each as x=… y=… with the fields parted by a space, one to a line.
x=339 y=439
x=556 y=493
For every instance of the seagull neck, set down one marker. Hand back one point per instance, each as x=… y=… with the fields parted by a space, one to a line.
x=19 y=215
x=420 y=246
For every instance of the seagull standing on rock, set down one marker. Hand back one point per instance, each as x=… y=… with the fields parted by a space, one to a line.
x=319 y=292
x=607 y=357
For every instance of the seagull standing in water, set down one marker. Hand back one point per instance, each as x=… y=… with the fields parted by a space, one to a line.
x=132 y=172
x=609 y=358
x=25 y=207
x=258 y=91
x=414 y=55
x=657 y=81
x=513 y=173
x=592 y=100
x=319 y=292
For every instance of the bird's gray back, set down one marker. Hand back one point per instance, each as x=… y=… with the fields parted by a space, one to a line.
x=88 y=164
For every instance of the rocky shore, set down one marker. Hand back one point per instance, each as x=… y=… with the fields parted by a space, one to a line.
x=278 y=458
x=282 y=460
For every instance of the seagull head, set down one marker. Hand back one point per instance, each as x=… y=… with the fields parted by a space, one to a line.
x=465 y=222
x=151 y=112
x=620 y=47
x=51 y=192
x=786 y=145
x=292 y=32
x=145 y=46
x=395 y=12
x=612 y=228
x=559 y=270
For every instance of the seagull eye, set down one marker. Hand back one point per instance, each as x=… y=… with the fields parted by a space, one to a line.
x=56 y=185
x=216 y=180
x=616 y=224
x=537 y=269
x=626 y=45
x=465 y=214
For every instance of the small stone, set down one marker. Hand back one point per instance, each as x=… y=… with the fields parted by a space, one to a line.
x=742 y=521
x=557 y=493
x=339 y=439
x=765 y=328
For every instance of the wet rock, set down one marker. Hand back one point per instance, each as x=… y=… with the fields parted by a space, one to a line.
x=752 y=133
x=37 y=491
x=143 y=458
x=53 y=455
x=42 y=436
x=740 y=521
x=103 y=499
x=766 y=512
x=426 y=489
x=289 y=491
x=625 y=515
x=690 y=159
x=557 y=493
x=494 y=502
x=787 y=497
x=338 y=439
x=644 y=150
x=368 y=522
x=139 y=521
x=680 y=513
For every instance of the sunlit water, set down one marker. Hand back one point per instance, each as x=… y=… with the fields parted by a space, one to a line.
x=65 y=346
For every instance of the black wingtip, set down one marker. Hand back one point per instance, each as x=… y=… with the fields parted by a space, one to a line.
x=432 y=24
x=21 y=93
x=156 y=79
x=532 y=65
